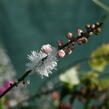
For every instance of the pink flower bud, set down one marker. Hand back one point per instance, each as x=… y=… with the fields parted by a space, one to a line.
x=82 y=40
x=79 y=31
x=71 y=45
x=88 y=26
x=69 y=35
x=79 y=41
x=7 y=84
x=68 y=51
x=46 y=48
x=61 y=43
x=2 y=89
x=61 y=53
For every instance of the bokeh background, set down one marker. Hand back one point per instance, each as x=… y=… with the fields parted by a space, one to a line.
x=26 y=25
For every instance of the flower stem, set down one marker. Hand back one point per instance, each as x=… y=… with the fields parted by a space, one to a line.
x=22 y=78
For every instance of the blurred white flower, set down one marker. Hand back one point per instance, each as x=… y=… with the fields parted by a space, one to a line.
x=44 y=61
x=17 y=92
x=7 y=71
x=70 y=76
x=12 y=103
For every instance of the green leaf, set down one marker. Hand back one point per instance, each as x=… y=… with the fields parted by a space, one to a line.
x=92 y=75
x=100 y=58
x=91 y=79
x=2 y=105
x=104 y=83
x=70 y=77
x=102 y=5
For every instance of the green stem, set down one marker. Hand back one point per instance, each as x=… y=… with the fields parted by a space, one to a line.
x=102 y=5
x=22 y=78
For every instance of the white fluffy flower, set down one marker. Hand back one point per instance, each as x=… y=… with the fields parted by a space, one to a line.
x=41 y=62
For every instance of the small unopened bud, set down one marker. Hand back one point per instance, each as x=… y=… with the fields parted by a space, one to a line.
x=68 y=51
x=69 y=35
x=71 y=46
x=46 y=49
x=82 y=40
x=93 y=26
x=79 y=31
x=79 y=41
x=61 y=43
x=61 y=53
x=97 y=31
x=88 y=26
x=90 y=33
x=97 y=23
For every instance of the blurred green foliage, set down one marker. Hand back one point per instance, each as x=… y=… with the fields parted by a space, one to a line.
x=102 y=58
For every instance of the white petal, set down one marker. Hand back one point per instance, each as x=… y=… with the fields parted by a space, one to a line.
x=44 y=68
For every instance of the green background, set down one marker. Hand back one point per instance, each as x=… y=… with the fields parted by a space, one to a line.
x=26 y=25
